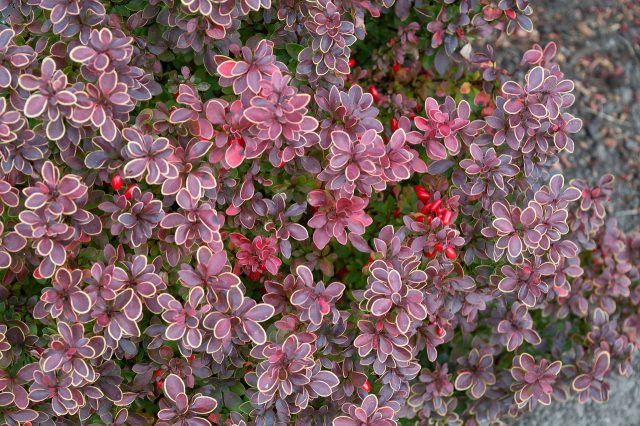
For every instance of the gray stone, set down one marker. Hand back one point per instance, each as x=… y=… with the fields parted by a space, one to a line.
x=626 y=95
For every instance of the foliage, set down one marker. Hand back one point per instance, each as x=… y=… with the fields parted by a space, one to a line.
x=296 y=212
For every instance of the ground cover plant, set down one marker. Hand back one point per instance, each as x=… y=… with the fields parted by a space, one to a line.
x=300 y=212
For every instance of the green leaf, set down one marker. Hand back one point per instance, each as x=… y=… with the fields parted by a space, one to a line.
x=245 y=408
x=227 y=90
x=293 y=49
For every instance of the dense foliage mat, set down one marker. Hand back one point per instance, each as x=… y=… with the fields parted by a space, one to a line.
x=308 y=212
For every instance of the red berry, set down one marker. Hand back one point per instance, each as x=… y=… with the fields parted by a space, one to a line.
x=366 y=386
x=129 y=192
x=446 y=217
x=158 y=373
x=440 y=331
x=352 y=62
x=116 y=182
x=430 y=254
x=451 y=253
x=394 y=124
x=511 y=14
x=438 y=247
x=374 y=93
x=422 y=193
x=159 y=384
x=436 y=205
x=396 y=67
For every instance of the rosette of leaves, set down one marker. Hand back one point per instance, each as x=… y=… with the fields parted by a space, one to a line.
x=52 y=97
x=178 y=409
x=238 y=317
x=315 y=299
x=387 y=291
x=533 y=381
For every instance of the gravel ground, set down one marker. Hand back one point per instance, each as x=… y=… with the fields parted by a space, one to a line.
x=599 y=48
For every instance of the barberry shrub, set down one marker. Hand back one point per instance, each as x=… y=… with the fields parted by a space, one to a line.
x=297 y=212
